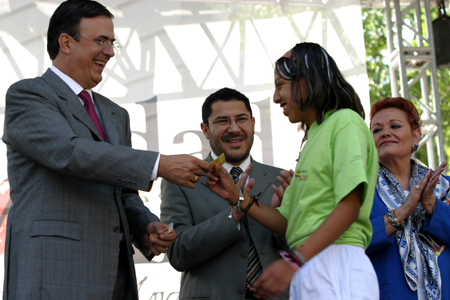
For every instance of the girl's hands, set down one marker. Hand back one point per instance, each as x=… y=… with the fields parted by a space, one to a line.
x=274 y=281
x=284 y=179
x=221 y=183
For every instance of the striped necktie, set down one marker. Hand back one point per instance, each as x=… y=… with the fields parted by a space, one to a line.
x=235 y=173
x=254 y=268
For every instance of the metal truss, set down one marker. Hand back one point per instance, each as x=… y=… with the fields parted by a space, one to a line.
x=413 y=62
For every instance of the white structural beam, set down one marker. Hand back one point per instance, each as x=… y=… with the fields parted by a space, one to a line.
x=413 y=63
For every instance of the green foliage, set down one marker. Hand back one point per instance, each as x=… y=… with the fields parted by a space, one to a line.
x=374 y=24
x=375 y=37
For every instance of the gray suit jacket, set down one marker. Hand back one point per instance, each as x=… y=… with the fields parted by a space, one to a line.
x=71 y=193
x=209 y=249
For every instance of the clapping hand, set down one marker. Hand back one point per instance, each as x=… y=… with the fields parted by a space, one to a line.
x=284 y=179
x=409 y=206
x=427 y=198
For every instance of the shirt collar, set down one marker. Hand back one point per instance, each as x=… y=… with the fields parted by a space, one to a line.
x=73 y=85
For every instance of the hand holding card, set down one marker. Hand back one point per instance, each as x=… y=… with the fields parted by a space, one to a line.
x=218 y=161
x=167 y=229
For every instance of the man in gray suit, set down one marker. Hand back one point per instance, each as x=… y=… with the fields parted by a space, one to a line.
x=74 y=177
x=214 y=247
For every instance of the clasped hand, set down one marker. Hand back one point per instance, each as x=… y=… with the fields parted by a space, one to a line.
x=423 y=192
x=161 y=243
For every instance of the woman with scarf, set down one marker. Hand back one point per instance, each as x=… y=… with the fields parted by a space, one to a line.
x=410 y=215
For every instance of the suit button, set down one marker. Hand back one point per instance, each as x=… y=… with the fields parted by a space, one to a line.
x=134 y=183
x=117 y=229
x=244 y=254
x=119 y=181
x=241 y=290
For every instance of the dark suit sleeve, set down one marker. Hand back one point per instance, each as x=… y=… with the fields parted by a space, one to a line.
x=41 y=127
x=138 y=216
x=197 y=240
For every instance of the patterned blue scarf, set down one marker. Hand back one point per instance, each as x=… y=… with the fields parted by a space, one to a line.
x=407 y=236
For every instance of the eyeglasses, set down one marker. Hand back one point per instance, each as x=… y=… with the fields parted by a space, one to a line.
x=242 y=120
x=104 y=45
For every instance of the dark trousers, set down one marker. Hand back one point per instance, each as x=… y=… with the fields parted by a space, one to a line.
x=123 y=286
x=249 y=294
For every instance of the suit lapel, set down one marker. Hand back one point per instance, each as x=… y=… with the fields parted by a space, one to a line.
x=108 y=119
x=73 y=102
x=79 y=112
x=262 y=182
x=203 y=179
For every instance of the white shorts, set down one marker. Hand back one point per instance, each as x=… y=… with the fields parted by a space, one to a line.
x=340 y=272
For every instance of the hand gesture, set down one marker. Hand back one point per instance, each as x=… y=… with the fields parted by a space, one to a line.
x=221 y=183
x=184 y=170
x=409 y=206
x=161 y=243
x=274 y=281
x=427 y=198
x=237 y=214
x=284 y=179
x=243 y=179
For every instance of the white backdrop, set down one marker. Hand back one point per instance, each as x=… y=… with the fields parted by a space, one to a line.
x=176 y=53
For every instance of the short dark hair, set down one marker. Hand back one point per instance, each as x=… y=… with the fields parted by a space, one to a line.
x=402 y=104
x=224 y=94
x=327 y=87
x=66 y=19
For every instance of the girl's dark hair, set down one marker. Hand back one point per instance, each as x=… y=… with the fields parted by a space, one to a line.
x=66 y=19
x=327 y=88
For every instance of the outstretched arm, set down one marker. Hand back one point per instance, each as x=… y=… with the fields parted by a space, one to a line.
x=184 y=170
x=222 y=185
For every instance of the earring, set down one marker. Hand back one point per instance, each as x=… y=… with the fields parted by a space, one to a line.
x=415 y=147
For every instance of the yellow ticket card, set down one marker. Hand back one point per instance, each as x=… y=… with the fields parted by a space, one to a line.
x=218 y=161
x=167 y=229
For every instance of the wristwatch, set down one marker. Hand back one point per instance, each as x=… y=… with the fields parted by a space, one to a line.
x=241 y=198
x=237 y=206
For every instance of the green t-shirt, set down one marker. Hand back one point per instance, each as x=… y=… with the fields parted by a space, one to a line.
x=339 y=155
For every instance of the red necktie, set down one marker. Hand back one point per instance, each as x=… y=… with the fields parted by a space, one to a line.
x=89 y=106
